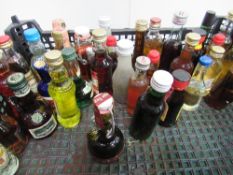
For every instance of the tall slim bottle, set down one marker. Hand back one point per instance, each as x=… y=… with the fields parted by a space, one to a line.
x=62 y=90
x=172 y=46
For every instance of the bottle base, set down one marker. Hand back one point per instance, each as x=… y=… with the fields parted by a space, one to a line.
x=190 y=107
x=69 y=122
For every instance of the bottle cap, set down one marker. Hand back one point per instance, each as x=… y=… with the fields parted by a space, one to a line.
x=161 y=81
x=99 y=35
x=124 y=47
x=155 y=22
x=181 y=79
x=69 y=53
x=82 y=31
x=5 y=41
x=141 y=25
x=205 y=60
x=154 y=56
x=104 y=21
x=219 y=39
x=142 y=63
x=192 y=38
x=31 y=35
x=230 y=15
x=53 y=58
x=103 y=102
x=209 y=19
x=217 y=51
x=180 y=18
x=111 y=41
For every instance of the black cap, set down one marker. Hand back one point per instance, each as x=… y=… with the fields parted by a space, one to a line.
x=209 y=18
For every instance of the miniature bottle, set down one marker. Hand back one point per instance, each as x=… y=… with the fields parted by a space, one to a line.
x=217 y=40
x=151 y=106
x=154 y=56
x=16 y=62
x=199 y=84
x=83 y=88
x=172 y=46
x=82 y=42
x=175 y=100
x=185 y=61
x=153 y=39
x=101 y=69
x=37 y=115
x=107 y=142
x=62 y=90
x=111 y=49
x=105 y=23
x=123 y=72
x=141 y=28
x=138 y=83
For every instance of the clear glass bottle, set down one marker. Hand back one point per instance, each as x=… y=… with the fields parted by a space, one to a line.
x=62 y=90
x=36 y=114
x=111 y=44
x=9 y=163
x=172 y=46
x=217 y=40
x=175 y=100
x=151 y=106
x=105 y=23
x=185 y=61
x=199 y=84
x=153 y=39
x=82 y=42
x=138 y=83
x=154 y=56
x=106 y=143
x=83 y=91
x=123 y=72
x=101 y=68
x=141 y=28
x=16 y=62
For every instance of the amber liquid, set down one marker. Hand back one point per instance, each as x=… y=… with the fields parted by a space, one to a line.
x=171 y=50
x=150 y=44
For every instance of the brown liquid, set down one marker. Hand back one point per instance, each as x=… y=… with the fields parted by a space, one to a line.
x=150 y=44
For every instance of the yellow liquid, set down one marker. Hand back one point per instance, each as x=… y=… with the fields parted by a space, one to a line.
x=68 y=113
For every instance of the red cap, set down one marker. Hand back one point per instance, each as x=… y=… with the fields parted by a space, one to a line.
x=4 y=39
x=219 y=39
x=154 y=56
x=181 y=79
x=155 y=20
x=111 y=41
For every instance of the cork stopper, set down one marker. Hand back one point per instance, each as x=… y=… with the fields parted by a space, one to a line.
x=99 y=35
x=192 y=38
x=53 y=58
x=217 y=51
x=141 y=25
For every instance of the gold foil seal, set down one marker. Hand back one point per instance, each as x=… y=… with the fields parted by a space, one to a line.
x=217 y=51
x=192 y=38
x=99 y=35
x=141 y=25
x=54 y=58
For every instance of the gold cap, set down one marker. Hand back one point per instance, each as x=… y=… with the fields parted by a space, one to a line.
x=99 y=35
x=192 y=38
x=141 y=25
x=217 y=51
x=53 y=58
x=230 y=15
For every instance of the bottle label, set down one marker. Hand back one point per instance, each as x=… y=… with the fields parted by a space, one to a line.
x=45 y=129
x=31 y=81
x=37 y=118
x=95 y=82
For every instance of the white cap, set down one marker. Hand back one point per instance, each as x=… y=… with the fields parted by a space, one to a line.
x=161 y=81
x=142 y=63
x=82 y=30
x=124 y=47
x=180 y=18
x=104 y=21
x=103 y=102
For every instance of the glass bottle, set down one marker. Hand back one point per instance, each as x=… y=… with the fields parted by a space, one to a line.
x=11 y=135
x=36 y=46
x=151 y=106
x=101 y=68
x=199 y=84
x=90 y=55
x=185 y=61
x=153 y=39
x=83 y=91
x=37 y=115
x=123 y=72
x=82 y=42
x=138 y=83
x=107 y=142
x=9 y=163
x=60 y=34
x=172 y=46
x=16 y=62
x=141 y=28
x=175 y=100
x=154 y=56
x=111 y=44
x=105 y=23
x=217 y=40
x=62 y=90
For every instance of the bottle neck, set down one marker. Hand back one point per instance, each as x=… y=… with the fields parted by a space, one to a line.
x=177 y=32
x=111 y=49
x=58 y=74
x=154 y=30
x=99 y=46
x=37 y=48
x=140 y=74
x=8 y=51
x=73 y=69
x=83 y=41
x=186 y=53
x=44 y=74
x=155 y=97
